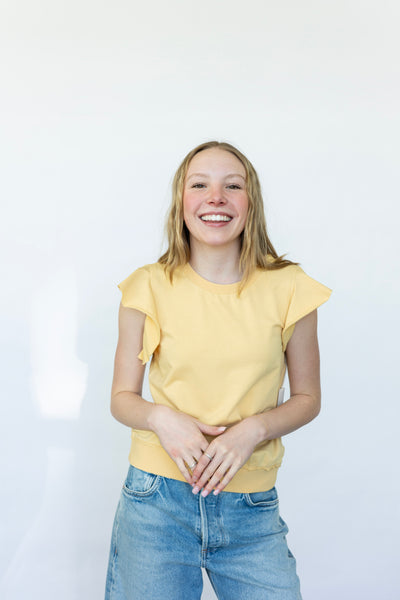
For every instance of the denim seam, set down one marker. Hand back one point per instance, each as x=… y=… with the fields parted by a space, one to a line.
x=224 y=536
x=261 y=503
x=152 y=489
x=115 y=553
x=204 y=532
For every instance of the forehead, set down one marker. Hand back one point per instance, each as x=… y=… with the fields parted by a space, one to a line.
x=215 y=159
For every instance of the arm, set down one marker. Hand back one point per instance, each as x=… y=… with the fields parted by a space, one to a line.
x=181 y=435
x=127 y=404
x=234 y=447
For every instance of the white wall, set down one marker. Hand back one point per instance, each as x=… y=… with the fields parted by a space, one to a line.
x=99 y=103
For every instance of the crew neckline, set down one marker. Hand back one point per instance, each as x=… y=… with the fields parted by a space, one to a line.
x=218 y=288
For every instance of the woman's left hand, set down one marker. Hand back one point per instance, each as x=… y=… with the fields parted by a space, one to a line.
x=229 y=451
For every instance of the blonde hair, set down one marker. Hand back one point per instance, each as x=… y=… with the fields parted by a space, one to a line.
x=255 y=243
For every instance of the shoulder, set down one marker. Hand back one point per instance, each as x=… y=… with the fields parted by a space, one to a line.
x=141 y=286
x=295 y=280
x=282 y=278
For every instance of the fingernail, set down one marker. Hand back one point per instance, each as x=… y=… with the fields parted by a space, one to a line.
x=216 y=492
x=204 y=493
x=195 y=490
x=223 y=428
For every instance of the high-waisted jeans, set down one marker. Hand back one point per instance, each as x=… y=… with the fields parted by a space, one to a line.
x=163 y=534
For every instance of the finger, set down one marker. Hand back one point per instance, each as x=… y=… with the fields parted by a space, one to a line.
x=207 y=474
x=224 y=482
x=203 y=462
x=204 y=445
x=190 y=463
x=197 y=454
x=210 y=429
x=220 y=475
x=181 y=466
x=193 y=458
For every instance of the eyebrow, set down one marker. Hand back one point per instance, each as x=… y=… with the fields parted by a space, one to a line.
x=205 y=175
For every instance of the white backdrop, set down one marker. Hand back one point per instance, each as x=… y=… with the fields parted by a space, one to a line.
x=100 y=101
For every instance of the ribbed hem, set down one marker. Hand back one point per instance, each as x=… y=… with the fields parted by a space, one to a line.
x=154 y=459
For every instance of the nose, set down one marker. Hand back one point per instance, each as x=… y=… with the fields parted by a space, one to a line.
x=216 y=194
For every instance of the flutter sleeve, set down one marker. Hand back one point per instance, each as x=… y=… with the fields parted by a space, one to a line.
x=137 y=293
x=306 y=295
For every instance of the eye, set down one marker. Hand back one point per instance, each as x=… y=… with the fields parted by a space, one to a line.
x=234 y=186
x=198 y=185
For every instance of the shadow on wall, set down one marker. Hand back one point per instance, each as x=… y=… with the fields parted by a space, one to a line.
x=61 y=500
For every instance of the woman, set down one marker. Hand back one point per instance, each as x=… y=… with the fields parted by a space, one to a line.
x=222 y=316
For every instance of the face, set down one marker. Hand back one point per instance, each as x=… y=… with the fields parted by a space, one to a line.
x=215 y=202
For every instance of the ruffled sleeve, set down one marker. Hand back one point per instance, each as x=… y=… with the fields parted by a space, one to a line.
x=137 y=293
x=306 y=295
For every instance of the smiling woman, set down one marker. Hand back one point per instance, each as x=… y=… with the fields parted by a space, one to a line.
x=221 y=316
x=215 y=201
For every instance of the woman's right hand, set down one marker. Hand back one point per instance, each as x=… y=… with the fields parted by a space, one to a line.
x=181 y=436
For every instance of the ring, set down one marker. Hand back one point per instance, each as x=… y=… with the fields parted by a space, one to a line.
x=208 y=456
x=193 y=465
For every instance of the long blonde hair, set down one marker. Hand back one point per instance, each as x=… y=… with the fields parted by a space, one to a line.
x=255 y=243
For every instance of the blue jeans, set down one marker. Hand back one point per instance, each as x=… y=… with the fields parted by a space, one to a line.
x=163 y=534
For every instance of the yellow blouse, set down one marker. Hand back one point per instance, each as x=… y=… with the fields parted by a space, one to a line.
x=215 y=356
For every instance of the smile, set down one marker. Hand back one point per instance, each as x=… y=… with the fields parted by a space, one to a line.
x=216 y=218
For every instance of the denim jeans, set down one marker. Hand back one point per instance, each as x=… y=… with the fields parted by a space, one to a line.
x=163 y=534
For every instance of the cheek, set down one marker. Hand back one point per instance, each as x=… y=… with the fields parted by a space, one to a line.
x=189 y=209
x=188 y=204
x=185 y=206
x=244 y=209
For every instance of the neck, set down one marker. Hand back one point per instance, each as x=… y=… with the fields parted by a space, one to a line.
x=217 y=264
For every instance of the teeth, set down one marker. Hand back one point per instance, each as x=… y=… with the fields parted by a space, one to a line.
x=215 y=218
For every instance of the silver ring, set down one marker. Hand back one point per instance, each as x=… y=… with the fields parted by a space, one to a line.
x=193 y=465
x=208 y=456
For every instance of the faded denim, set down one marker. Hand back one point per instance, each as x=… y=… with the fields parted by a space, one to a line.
x=163 y=534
